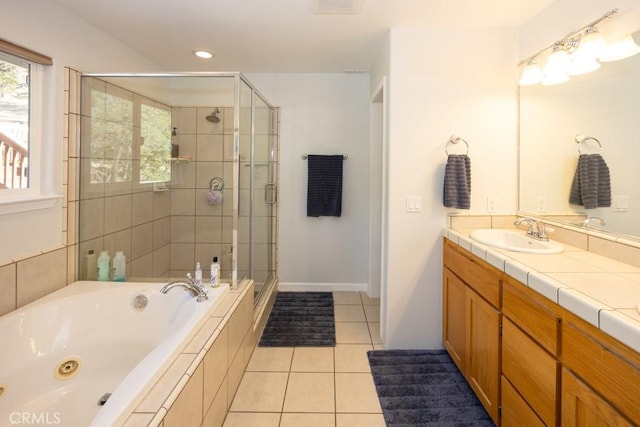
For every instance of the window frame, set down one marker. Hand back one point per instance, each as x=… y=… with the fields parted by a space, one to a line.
x=34 y=197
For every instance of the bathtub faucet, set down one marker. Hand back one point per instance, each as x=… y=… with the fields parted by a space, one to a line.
x=196 y=289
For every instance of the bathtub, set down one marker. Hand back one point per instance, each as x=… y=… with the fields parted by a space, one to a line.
x=62 y=354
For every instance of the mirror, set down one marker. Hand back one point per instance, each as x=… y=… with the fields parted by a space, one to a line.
x=604 y=104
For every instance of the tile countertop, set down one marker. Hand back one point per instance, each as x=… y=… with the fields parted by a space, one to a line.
x=600 y=290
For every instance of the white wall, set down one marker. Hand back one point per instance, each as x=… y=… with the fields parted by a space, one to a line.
x=321 y=114
x=442 y=81
x=43 y=26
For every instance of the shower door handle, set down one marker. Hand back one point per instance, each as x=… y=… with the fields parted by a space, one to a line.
x=270 y=194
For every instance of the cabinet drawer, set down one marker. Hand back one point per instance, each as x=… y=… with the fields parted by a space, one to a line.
x=476 y=273
x=531 y=370
x=515 y=410
x=607 y=366
x=535 y=315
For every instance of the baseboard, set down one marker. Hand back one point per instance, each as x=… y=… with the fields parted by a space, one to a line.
x=321 y=287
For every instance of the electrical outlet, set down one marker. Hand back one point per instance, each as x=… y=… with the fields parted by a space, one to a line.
x=491 y=204
x=541 y=204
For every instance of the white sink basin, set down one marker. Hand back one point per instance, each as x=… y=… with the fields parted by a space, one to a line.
x=514 y=241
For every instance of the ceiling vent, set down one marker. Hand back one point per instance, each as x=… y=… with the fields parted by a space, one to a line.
x=336 y=6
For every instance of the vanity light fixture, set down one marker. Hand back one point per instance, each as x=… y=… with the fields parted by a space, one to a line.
x=204 y=54
x=577 y=53
x=592 y=44
x=531 y=74
x=556 y=70
x=620 y=49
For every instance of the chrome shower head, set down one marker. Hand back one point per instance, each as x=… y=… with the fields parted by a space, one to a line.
x=213 y=117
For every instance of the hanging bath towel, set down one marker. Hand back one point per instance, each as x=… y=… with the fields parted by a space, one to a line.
x=591 y=186
x=457 y=182
x=324 y=185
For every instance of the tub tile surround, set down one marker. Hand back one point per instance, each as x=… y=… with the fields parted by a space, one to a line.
x=198 y=387
x=598 y=279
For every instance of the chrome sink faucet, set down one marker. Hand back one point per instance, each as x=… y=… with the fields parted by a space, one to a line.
x=190 y=285
x=540 y=231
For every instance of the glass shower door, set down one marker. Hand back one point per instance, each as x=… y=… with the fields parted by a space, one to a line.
x=263 y=194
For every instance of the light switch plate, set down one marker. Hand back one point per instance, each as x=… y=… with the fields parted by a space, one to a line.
x=414 y=204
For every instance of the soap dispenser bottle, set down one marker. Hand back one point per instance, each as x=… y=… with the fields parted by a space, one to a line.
x=119 y=267
x=103 y=266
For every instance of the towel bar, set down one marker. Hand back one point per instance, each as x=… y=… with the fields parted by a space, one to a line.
x=454 y=139
x=580 y=138
x=305 y=156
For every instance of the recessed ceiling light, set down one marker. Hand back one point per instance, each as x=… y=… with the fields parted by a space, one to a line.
x=203 y=54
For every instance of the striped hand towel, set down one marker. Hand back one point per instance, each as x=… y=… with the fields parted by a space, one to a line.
x=591 y=186
x=457 y=182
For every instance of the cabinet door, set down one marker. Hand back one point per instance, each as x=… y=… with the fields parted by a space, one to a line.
x=454 y=318
x=582 y=407
x=483 y=352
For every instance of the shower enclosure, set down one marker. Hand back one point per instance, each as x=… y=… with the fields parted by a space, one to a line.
x=176 y=169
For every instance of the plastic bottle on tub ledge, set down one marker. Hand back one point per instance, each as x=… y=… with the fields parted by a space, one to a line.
x=103 y=266
x=92 y=266
x=119 y=267
x=215 y=273
x=198 y=273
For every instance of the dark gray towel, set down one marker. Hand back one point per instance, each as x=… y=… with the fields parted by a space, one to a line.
x=324 y=185
x=591 y=186
x=457 y=182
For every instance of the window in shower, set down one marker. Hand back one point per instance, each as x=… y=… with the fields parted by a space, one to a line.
x=155 y=143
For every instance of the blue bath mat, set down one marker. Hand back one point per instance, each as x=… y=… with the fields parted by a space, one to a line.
x=424 y=388
x=300 y=319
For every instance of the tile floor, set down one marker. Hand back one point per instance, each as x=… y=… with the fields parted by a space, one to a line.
x=316 y=386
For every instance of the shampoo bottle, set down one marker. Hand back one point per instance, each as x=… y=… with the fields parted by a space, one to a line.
x=198 y=273
x=119 y=267
x=92 y=266
x=215 y=273
x=103 y=266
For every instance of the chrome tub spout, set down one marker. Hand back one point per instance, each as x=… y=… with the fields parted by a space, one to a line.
x=190 y=285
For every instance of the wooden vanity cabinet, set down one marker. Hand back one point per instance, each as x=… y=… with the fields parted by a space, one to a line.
x=530 y=361
x=471 y=322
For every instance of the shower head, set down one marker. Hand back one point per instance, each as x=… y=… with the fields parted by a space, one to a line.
x=213 y=117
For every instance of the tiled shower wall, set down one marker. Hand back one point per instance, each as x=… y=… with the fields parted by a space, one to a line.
x=200 y=231
x=119 y=214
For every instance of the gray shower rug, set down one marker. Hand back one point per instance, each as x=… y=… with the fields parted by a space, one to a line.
x=300 y=319
x=424 y=388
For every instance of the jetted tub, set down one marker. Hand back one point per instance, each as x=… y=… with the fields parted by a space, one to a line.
x=61 y=354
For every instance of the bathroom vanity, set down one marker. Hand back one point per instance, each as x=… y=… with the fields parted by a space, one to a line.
x=530 y=360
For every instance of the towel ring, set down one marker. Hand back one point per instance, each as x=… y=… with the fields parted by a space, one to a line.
x=454 y=140
x=216 y=184
x=580 y=139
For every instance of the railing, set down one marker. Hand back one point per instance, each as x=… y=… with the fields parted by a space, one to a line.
x=14 y=161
